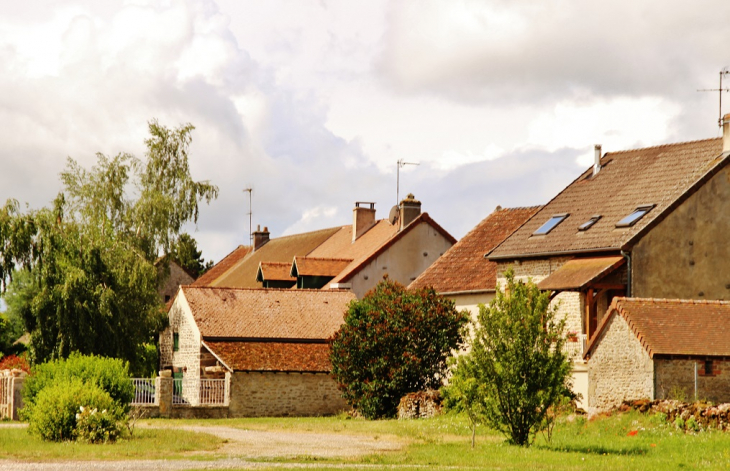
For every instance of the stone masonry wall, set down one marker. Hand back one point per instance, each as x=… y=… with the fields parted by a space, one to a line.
x=619 y=369
x=284 y=394
x=187 y=357
x=676 y=378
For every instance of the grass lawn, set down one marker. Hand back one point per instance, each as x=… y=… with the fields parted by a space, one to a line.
x=18 y=444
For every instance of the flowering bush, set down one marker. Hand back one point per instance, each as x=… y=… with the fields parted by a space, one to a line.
x=11 y=362
x=94 y=426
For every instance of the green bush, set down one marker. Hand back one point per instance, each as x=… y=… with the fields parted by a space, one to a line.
x=97 y=426
x=110 y=374
x=55 y=413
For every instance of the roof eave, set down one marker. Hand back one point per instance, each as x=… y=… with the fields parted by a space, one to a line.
x=496 y=258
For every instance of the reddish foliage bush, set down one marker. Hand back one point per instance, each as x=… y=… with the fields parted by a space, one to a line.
x=14 y=362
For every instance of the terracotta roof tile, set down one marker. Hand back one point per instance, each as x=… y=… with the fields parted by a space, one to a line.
x=230 y=313
x=273 y=356
x=577 y=273
x=463 y=267
x=677 y=327
x=652 y=176
x=220 y=268
x=275 y=271
x=340 y=245
x=311 y=266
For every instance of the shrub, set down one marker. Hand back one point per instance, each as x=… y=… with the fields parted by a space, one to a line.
x=53 y=416
x=97 y=426
x=110 y=374
x=394 y=341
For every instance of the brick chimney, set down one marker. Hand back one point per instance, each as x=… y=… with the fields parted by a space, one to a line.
x=260 y=237
x=726 y=133
x=363 y=218
x=410 y=209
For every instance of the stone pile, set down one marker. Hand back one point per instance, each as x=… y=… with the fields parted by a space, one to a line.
x=705 y=415
x=420 y=405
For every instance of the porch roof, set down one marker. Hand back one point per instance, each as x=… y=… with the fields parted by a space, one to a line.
x=577 y=273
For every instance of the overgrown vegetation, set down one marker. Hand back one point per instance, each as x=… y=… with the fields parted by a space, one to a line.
x=92 y=284
x=517 y=369
x=394 y=341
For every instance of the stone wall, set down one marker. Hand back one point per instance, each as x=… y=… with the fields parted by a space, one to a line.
x=675 y=379
x=619 y=368
x=175 y=278
x=187 y=358
x=284 y=394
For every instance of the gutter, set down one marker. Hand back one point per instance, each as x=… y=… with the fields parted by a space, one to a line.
x=551 y=254
x=627 y=256
x=471 y=291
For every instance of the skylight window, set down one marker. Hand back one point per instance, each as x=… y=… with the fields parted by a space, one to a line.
x=589 y=223
x=550 y=224
x=632 y=218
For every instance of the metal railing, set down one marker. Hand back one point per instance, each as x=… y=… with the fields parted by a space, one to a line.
x=196 y=392
x=6 y=396
x=145 y=390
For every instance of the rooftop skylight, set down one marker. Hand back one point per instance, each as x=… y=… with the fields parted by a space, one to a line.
x=589 y=223
x=632 y=218
x=550 y=224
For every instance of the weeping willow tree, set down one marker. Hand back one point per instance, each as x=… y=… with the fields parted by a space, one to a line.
x=93 y=284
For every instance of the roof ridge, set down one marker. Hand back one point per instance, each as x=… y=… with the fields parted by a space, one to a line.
x=336 y=259
x=671 y=144
x=326 y=229
x=285 y=290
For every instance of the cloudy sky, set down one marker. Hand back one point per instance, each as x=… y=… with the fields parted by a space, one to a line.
x=312 y=103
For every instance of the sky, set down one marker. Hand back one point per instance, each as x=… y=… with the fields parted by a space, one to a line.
x=312 y=103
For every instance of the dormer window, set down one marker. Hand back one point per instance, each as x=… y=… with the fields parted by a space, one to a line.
x=551 y=224
x=632 y=218
x=589 y=223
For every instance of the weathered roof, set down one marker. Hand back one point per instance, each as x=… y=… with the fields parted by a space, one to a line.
x=279 y=249
x=220 y=268
x=240 y=313
x=463 y=267
x=274 y=271
x=677 y=327
x=311 y=266
x=340 y=245
x=273 y=356
x=662 y=176
x=577 y=273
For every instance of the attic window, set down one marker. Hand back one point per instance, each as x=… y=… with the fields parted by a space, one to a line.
x=632 y=218
x=550 y=224
x=589 y=223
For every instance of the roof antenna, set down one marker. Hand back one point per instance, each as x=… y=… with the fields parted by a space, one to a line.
x=723 y=72
x=250 y=216
x=401 y=164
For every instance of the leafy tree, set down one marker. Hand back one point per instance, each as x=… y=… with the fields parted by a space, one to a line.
x=394 y=341
x=91 y=255
x=466 y=394
x=185 y=252
x=518 y=363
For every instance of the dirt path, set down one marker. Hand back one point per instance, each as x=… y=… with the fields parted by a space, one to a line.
x=240 y=447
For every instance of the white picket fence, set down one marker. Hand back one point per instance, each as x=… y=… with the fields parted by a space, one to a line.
x=185 y=391
x=145 y=390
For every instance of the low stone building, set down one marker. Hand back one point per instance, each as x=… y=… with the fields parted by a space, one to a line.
x=660 y=349
x=272 y=343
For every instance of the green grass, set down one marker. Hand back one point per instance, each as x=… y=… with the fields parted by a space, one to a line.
x=18 y=444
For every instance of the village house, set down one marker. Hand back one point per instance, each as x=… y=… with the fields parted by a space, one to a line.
x=643 y=223
x=175 y=277
x=462 y=274
x=268 y=345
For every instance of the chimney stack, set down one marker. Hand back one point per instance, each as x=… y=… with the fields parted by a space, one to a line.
x=410 y=209
x=260 y=237
x=597 y=159
x=726 y=133
x=363 y=218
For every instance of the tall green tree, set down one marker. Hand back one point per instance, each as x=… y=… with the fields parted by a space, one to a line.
x=91 y=255
x=518 y=368
x=394 y=341
x=185 y=252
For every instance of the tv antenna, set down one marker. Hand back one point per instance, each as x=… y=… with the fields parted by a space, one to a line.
x=723 y=72
x=401 y=164
x=250 y=216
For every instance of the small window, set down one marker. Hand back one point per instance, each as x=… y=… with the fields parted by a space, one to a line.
x=589 y=223
x=550 y=224
x=708 y=367
x=632 y=218
x=167 y=298
x=175 y=342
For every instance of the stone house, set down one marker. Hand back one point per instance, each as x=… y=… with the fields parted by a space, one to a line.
x=272 y=343
x=660 y=349
x=176 y=277
x=462 y=274
x=644 y=223
x=353 y=257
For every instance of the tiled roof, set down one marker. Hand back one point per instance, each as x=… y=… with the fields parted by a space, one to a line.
x=659 y=176
x=310 y=266
x=230 y=313
x=463 y=267
x=340 y=245
x=273 y=356
x=358 y=263
x=275 y=271
x=577 y=273
x=676 y=327
x=220 y=268
x=280 y=249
